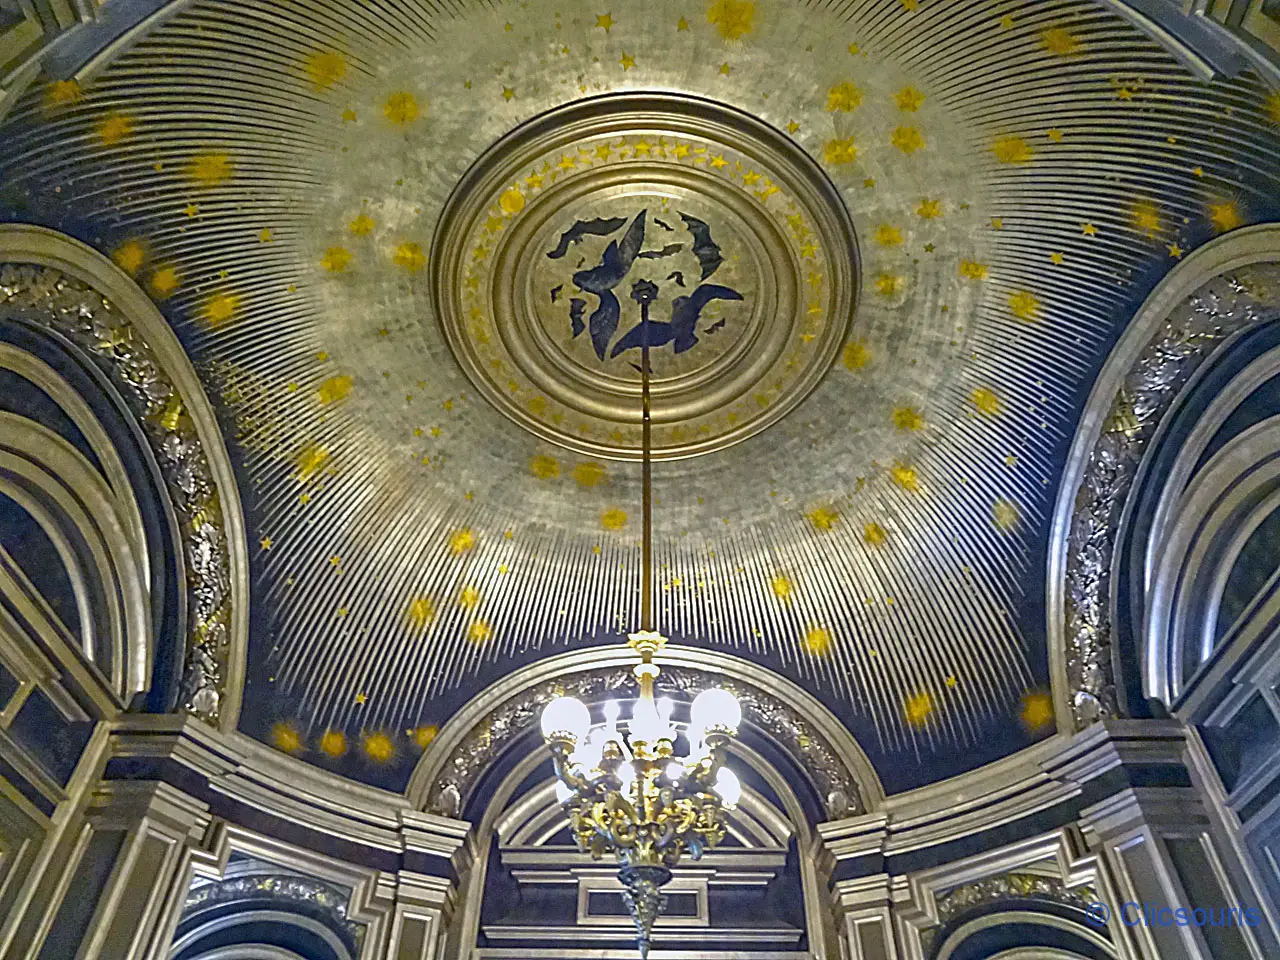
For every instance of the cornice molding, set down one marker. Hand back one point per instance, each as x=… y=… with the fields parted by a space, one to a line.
x=49 y=274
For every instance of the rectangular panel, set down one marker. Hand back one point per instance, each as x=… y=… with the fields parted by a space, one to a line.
x=1200 y=881
x=72 y=921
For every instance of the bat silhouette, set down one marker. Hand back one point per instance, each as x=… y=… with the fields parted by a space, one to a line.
x=576 y=308
x=677 y=276
x=670 y=250
x=715 y=326
x=595 y=228
x=555 y=292
x=685 y=312
x=663 y=224
x=704 y=248
x=600 y=280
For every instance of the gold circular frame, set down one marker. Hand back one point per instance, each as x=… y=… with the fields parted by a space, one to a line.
x=789 y=253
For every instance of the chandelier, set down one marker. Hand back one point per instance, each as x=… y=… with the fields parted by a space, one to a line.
x=629 y=794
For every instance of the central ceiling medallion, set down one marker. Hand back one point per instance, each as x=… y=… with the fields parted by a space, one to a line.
x=747 y=241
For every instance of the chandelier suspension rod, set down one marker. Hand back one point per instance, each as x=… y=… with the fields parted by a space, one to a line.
x=646 y=587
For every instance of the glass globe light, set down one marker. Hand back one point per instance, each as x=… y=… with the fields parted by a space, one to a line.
x=716 y=710
x=627 y=774
x=728 y=787
x=674 y=771
x=565 y=715
x=646 y=724
x=563 y=793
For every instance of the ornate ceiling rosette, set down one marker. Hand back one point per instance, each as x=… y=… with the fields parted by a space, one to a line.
x=353 y=213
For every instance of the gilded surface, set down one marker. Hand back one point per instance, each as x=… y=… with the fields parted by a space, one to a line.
x=275 y=175
x=1009 y=886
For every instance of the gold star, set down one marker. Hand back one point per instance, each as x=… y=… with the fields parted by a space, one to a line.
x=1037 y=711
x=533 y=181
x=361 y=699
x=918 y=709
x=1124 y=93
x=627 y=61
x=507 y=27
x=508 y=93
x=681 y=151
x=1057 y=259
x=348 y=115
x=267 y=543
x=1055 y=135
x=682 y=24
x=793 y=127
x=335 y=561
x=1006 y=22
x=997 y=223
x=1175 y=251
x=191 y=209
x=724 y=69
x=605 y=22
x=1198 y=171
x=566 y=163
x=719 y=161
x=1088 y=229
x=951 y=682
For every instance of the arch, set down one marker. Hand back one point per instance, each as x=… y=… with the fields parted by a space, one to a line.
x=1209 y=525
x=1037 y=930
x=39 y=262
x=792 y=718
x=1107 y=449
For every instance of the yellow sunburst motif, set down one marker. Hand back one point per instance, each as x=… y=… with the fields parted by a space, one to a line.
x=908 y=99
x=823 y=518
x=221 y=308
x=336 y=259
x=907 y=139
x=401 y=108
x=1059 y=41
x=972 y=270
x=325 y=68
x=421 y=610
x=929 y=209
x=1024 y=304
x=614 y=519
x=888 y=285
x=424 y=736
x=1273 y=108
x=919 y=708
x=469 y=597
x=378 y=747
x=874 y=534
x=987 y=401
x=362 y=225
x=544 y=467
x=855 y=356
x=130 y=256
x=460 y=541
x=1225 y=215
x=409 y=257
x=210 y=169
x=334 y=389
x=1145 y=217
x=333 y=743
x=908 y=418
x=1037 y=710
x=733 y=19
x=839 y=152
x=62 y=93
x=309 y=462
x=285 y=737
x=905 y=476
x=817 y=641
x=844 y=98
x=590 y=474
x=1012 y=150
x=113 y=128
x=1005 y=515
x=888 y=236
x=782 y=587
x=511 y=201
x=479 y=631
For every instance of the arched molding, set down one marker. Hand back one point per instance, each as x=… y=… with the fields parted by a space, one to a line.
x=1032 y=917
x=1225 y=287
x=89 y=528
x=1210 y=524
x=793 y=719
x=58 y=282
x=249 y=951
x=282 y=918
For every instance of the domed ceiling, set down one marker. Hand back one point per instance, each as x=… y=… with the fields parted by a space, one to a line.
x=886 y=244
